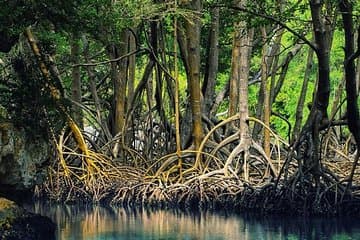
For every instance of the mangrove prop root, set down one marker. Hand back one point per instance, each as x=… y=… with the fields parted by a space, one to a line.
x=234 y=177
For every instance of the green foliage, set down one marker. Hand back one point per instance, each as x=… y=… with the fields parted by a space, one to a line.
x=26 y=99
x=103 y=22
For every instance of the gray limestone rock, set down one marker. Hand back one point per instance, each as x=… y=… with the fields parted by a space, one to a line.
x=22 y=161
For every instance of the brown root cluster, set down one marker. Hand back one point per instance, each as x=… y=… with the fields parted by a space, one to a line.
x=229 y=172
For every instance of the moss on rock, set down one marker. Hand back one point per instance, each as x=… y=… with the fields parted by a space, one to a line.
x=16 y=223
x=21 y=160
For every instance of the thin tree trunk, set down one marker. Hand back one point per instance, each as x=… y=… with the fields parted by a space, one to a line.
x=92 y=81
x=284 y=69
x=322 y=42
x=275 y=66
x=132 y=66
x=76 y=82
x=266 y=93
x=358 y=74
x=186 y=119
x=176 y=101
x=273 y=75
x=242 y=47
x=268 y=56
x=168 y=80
x=246 y=48
x=119 y=77
x=220 y=98
x=212 y=63
x=350 y=76
x=234 y=80
x=192 y=28
x=301 y=101
x=56 y=97
x=308 y=144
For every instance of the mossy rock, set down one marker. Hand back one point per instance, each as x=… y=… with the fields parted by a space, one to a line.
x=16 y=223
x=22 y=161
x=9 y=211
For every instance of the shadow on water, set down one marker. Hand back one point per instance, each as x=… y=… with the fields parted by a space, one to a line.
x=98 y=222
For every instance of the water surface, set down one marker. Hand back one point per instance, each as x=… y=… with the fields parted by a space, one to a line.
x=98 y=222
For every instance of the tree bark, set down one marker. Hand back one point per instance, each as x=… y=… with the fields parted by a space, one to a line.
x=322 y=42
x=301 y=101
x=186 y=118
x=192 y=29
x=350 y=71
x=266 y=111
x=357 y=36
x=246 y=48
x=308 y=144
x=212 y=63
x=119 y=78
x=76 y=82
x=358 y=76
x=132 y=65
x=234 y=80
x=268 y=57
x=353 y=117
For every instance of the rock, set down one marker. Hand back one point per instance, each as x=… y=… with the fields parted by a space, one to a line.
x=16 y=223
x=22 y=161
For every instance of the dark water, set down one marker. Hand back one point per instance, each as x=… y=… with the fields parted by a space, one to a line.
x=98 y=223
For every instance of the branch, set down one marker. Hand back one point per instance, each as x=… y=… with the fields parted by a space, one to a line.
x=357 y=53
x=273 y=19
x=286 y=121
x=111 y=60
x=334 y=123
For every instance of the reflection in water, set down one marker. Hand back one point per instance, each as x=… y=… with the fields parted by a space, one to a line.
x=97 y=222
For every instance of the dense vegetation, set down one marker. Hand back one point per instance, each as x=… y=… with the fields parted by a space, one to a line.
x=242 y=103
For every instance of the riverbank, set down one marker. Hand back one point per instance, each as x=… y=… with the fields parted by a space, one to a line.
x=214 y=192
x=213 y=177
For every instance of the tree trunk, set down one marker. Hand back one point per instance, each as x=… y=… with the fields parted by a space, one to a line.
x=284 y=69
x=132 y=66
x=192 y=29
x=234 y=80
x=119 y=78
x=266 y=91
x=358 y=76
x=308 y=144
x=212 y=63
x=268 y=56
x=240 y=66
x=350 y=71
x=322 y=52
x=76 y=82
x=301 y=101
x=220 y=98
x=246 y=48
x=186 y=119
x=357 y=35
x=93 y=89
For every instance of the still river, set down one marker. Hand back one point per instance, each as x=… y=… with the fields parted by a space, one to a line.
x=77 y=222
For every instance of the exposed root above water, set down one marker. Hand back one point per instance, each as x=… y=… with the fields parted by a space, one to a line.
x=232 y=173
